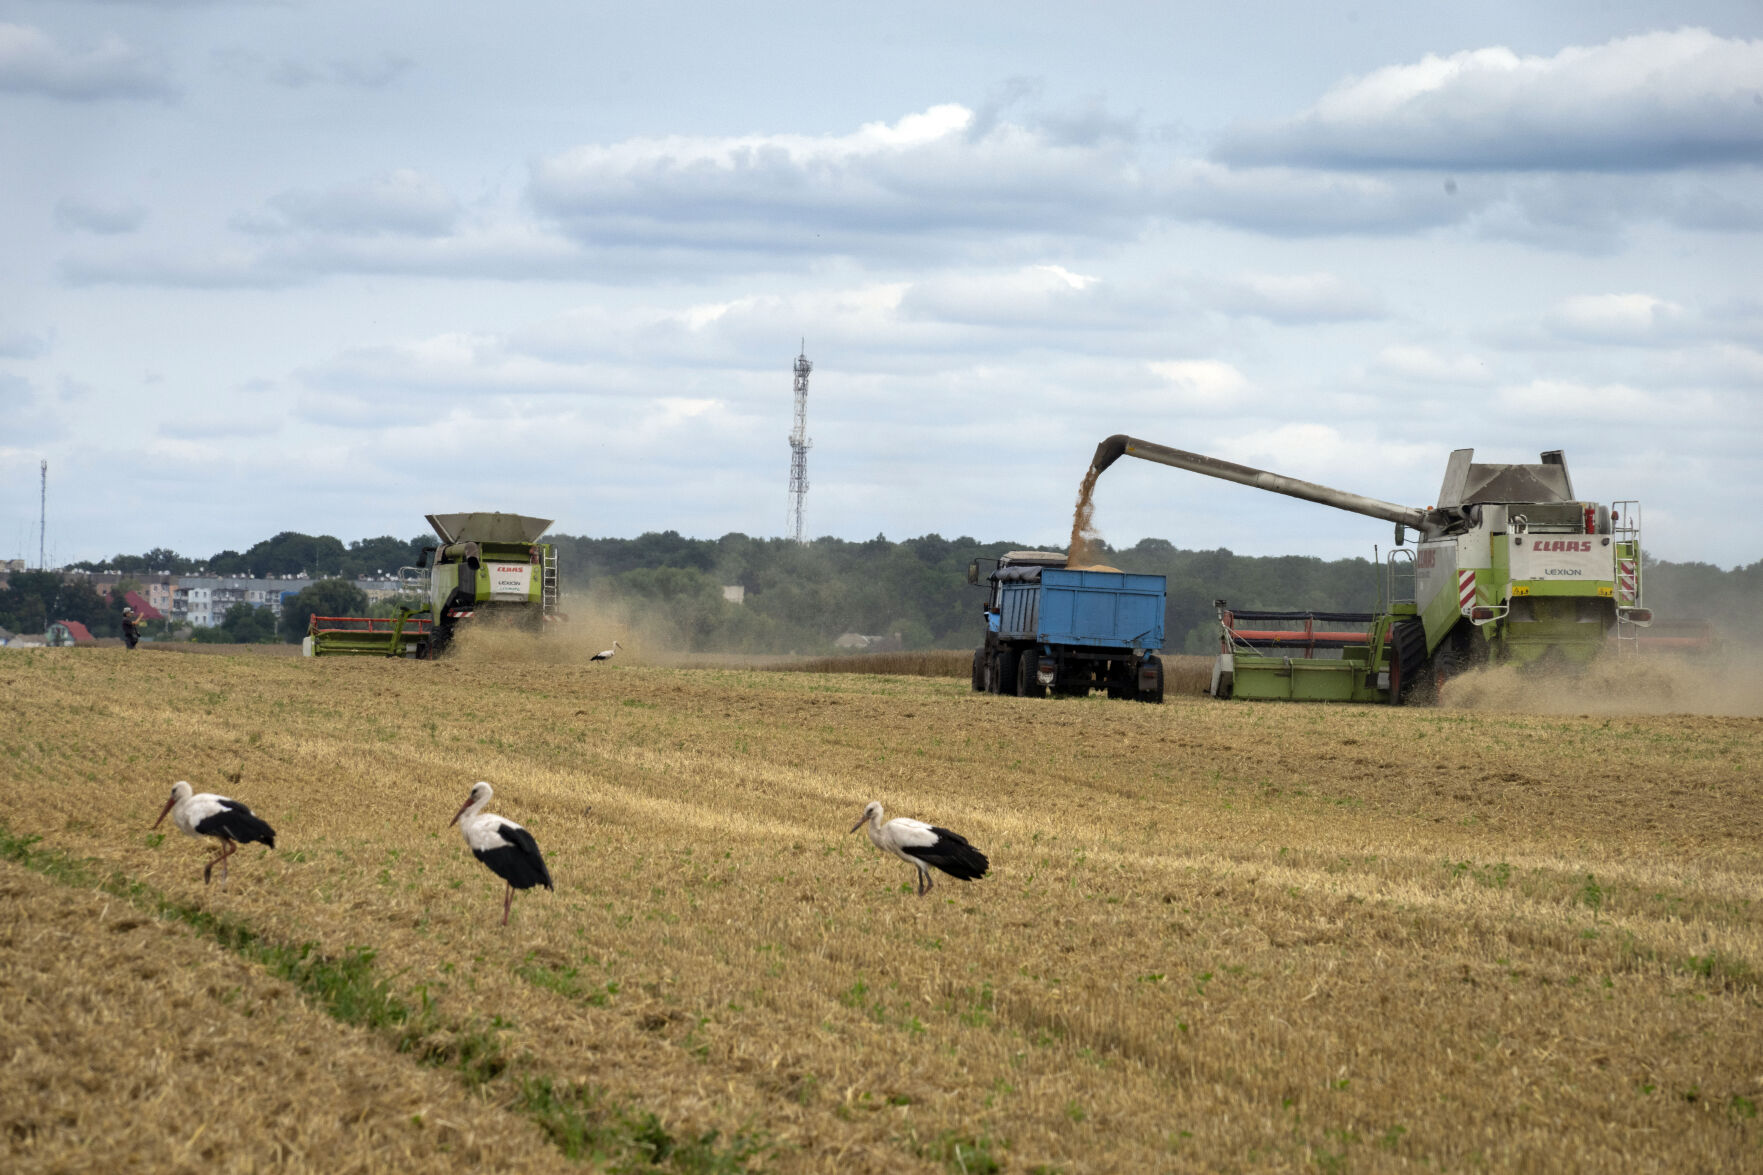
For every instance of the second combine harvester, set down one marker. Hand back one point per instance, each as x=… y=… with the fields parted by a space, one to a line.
x=1509 y=566
x=487 y=566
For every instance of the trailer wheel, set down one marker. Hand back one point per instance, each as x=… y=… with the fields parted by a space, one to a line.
x=979 y=671
x=1027 y=666
x=1005 y=673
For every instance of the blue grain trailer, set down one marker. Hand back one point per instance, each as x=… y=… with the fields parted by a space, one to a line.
x=1068 y=630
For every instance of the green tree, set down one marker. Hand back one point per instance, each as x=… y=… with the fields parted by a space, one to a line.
x=248 y=624
x=382 y=556
x=28 y=599
x=327 y=597
x=293 y=553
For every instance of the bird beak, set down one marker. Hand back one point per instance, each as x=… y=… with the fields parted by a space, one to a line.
x=164 y=810
x=862 y=820
x=459 y=813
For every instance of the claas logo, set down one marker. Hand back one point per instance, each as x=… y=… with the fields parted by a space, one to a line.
x=1562 y=545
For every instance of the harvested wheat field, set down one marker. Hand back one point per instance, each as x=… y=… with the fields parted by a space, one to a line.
x=1216 y=936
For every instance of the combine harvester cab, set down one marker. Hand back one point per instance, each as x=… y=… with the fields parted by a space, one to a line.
x=1069 y=630
x=1509 y=567
x=487 y=567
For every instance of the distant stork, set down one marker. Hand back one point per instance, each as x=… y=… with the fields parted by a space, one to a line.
x=231 y=822
x=507 y=848
x=605 y=654
x=923 y=845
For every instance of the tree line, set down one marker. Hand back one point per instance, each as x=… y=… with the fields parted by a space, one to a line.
x=800 y=597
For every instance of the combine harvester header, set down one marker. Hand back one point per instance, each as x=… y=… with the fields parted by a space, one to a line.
x=488 y=566
x=1509 y=566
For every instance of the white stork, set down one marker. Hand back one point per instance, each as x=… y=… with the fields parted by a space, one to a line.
x=605 y=654
x=922 y=845
x=507 y=848
x=229 y=821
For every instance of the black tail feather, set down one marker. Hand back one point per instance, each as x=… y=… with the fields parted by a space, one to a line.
x=953 y=855
x=237 y=822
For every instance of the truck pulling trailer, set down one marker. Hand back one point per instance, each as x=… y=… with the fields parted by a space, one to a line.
x=1069 y=630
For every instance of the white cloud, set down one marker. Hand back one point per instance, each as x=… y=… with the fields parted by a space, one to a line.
x=32 y=63
x=21 y=344
x=1620 y=404
x=1298 y=202
x=105 y=218
x=1410 y=361
x=1654 y=101
x=1295 y=297
x=351 y=388
x=1617 y=318
x=404 y=202
x=27 y=417
x=1318 y=452
x=1032 y=297
x=936 y=175
x=1208 y=384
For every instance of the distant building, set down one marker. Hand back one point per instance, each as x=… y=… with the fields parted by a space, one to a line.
x=201 y=601
x=70 y=632
x=734 y=593
x=143 y=609
x=159 y=594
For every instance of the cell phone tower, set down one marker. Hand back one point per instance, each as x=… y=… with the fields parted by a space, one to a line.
x=799 y=445
x=43 y=516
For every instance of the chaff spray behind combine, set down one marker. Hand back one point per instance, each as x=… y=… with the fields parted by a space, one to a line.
x=1509 y=566
x=487 y=566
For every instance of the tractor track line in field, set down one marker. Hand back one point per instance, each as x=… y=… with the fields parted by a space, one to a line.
x=583 y=1122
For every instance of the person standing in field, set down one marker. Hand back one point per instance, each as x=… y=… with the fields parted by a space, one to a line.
x=131 y=627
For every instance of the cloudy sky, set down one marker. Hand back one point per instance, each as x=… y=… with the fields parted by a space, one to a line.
x=332 y=266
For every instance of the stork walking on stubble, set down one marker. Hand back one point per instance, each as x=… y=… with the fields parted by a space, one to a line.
x=229 y=821
x=605 y=654
x=923 y=845
x=508 y=849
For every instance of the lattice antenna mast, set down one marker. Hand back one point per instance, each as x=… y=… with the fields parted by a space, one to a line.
x=43 y=516
x=799 y=445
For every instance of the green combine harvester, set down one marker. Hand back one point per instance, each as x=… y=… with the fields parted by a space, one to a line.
x=1510 y=567
x=487 y=568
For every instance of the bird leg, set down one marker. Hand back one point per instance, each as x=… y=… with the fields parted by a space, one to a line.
x=218 y=859
x=924 y=881
x=507 y=900
x=227 y=849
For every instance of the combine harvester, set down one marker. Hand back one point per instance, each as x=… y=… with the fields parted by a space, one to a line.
x=1509 y=567
x=487 y=567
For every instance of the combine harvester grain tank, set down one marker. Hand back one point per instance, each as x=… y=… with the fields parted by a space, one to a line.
x=1510 y=566
x=487 y=567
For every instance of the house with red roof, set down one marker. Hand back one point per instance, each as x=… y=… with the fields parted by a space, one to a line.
x=70 y=632
x=142 y=608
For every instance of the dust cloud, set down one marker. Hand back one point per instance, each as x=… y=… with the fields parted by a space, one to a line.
x=591 y=625
x=1651 y=685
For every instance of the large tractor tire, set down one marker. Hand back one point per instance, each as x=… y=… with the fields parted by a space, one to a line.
x=979 y=670
x=1409 y=670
